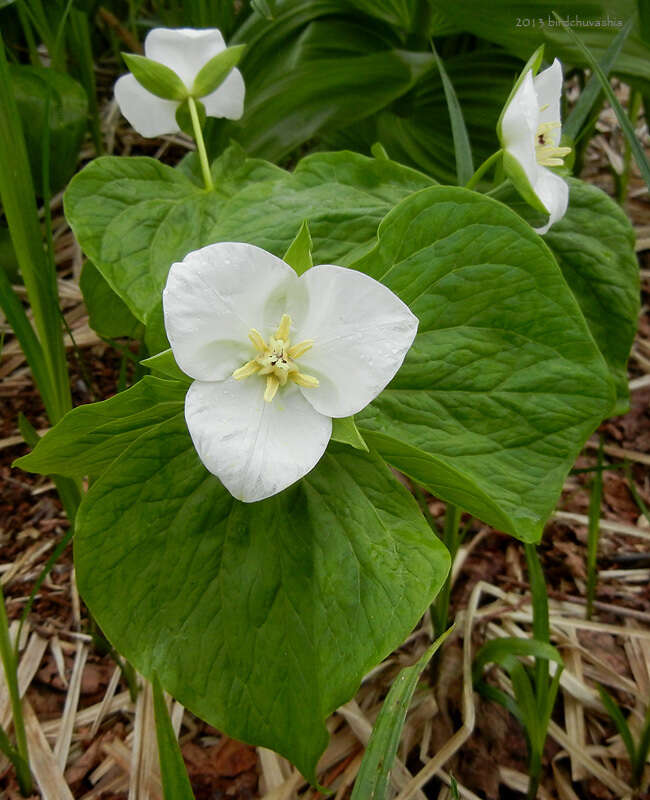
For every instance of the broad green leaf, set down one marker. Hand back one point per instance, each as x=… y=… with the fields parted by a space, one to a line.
x=262 y=618
x=134 y=217
x=173 y=775
x=344 y=430
x=65 y=114
x=165 y=363
x=213 y=74
x=91 y=437
x=372 y=780
x=156 y=77
x=298 y=255
x=416 y=129
x=317 y=66
x=108 y=314
x=400 y=13
x=594 y=247
x=503 y=383
x=522 y=27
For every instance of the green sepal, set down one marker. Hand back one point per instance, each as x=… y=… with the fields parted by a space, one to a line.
x=184 y=118
x=156 y=77
x=345 y=431
x=215 y=72
x=517 y=175
x=165 y=364
x=533 y=64
x=298 y=254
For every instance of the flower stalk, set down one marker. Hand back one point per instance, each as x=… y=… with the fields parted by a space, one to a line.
x=482 y=169
x=200 y=144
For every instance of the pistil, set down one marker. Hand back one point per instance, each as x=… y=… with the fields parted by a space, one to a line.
x=547 y=153
x=276 y=360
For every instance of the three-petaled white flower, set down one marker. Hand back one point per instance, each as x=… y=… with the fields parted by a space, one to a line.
x=530 y=131
x=274 y=357
x=185 y=51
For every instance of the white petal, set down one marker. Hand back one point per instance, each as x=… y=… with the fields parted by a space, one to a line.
x=214 y=297
x=361 y=332
x=548 y=85
x=148 y=114
x=519 y=126
x=227 y=100
x=185 y=50
x=553 y=191
x=255 y=448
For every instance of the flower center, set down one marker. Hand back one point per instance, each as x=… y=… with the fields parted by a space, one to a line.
x=547 y=154
x=276 y=360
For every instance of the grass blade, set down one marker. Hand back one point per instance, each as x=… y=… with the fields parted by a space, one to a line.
x=462 y=147
x=589 y=94
x=11 y=677
x=18 y=200
x=372 y=780
x=619 y=720
x=623 y=121
x=593 y=533
x=176 y=784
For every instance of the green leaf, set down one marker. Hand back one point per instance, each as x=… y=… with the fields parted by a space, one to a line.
x=594 y=247
x=156 y=77
x=108 y=314
x=134 y=217
x=522 y=27
x=372 y=780
x=315 y=67
x=462 y=147
x=503 y=383
x=482 y=80
x=400 y=13
x=214 y=73
x=623 y=120
x=175 y=783
x=65 y=115
x=344 y=430
x=298 y=255
x=589 y=94
x=91 y=437
x=165 y=363
x=262 y=618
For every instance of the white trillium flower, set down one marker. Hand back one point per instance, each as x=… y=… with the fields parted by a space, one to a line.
x=274 y=357
x=530 y=135
x=185 y=51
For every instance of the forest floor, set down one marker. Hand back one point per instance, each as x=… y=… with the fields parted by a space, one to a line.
x=89 y=738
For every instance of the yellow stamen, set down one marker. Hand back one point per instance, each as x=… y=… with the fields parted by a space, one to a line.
x=272 y=386
x=283 y=329
x=249 y=368
x=275 y=360
x=258 y=342
x=547 y=153
x=308 y=381
x=297 y=350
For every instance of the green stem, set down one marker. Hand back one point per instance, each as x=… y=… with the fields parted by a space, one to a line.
x=482 y=169
x=451 y=539
x=11 y=676
x=200 y=144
